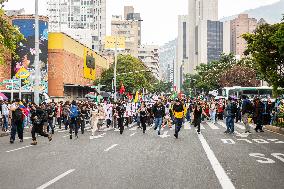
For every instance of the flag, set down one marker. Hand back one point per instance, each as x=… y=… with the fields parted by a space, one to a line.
x=136 y=99
x=122 y=89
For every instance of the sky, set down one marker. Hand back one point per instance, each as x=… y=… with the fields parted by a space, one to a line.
x=159 y=16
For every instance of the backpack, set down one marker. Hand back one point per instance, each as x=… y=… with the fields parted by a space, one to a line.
x=18 y=116
x=74 y=111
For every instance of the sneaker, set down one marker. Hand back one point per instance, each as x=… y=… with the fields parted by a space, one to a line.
x=159 y=133
x=226 y=132
x=21 y=140
x=11 y=141
x=34 y=142
x=50 y=138
x=70 y=136
x=198 y=133
x=256 y=130
x=176 y=135
x=261 y=131
x=155 y=128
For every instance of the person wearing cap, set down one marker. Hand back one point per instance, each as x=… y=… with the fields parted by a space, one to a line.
x=179 y=111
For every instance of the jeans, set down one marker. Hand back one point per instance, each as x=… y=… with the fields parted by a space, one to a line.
x=178 y=123
x=213 y=117
x=230 y=124
x=50 y=126
x=245 y=120
x=158 y=123
x=73 y=126
x=5 y=124
x=38 y=129
x=17 y=127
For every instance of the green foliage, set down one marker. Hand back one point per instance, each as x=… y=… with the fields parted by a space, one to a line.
x=9 y=36
x=162 y=87
x=266 y=46
x=131 y=81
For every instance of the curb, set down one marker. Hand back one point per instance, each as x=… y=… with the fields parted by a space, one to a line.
x=275 y=129
x=4 y=134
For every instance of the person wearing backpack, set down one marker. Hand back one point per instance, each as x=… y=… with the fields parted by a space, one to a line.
x=74 y=112
x=16 y=122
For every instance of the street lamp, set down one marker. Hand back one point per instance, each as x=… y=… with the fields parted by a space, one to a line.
x=36 y=62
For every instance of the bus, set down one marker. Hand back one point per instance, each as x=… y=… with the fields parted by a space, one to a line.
x=251 y=92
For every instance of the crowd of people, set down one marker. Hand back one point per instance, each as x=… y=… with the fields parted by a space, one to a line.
x=160 y=112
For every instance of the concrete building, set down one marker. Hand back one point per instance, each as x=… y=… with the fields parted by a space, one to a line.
x=182 y=65
x=227 y=37
x=14 y=12
x=84 y=20
x=167 y=60
x=130 y=28
x=239 y=26
x=199 y=12
x=73 y=67
x=149 y=55
x=210 y=41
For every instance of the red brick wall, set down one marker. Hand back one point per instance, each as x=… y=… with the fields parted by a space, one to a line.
x=66 y=68
x=5 y=70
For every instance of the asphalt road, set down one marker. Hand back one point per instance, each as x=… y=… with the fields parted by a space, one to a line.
x=142 y=161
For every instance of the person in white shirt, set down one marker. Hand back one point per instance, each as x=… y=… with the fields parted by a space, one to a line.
x=5 y=113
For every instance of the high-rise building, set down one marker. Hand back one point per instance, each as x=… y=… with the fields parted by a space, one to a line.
x=199 y=13
x=149 y=55
x=130 y=29
x=210 y=41
x=182 y=65
x=83 y=20
x=227 y=37
x=239 y=26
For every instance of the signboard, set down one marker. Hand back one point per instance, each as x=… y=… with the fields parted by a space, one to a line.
x=111 y=40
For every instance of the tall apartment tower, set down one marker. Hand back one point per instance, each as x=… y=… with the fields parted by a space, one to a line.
x=182 y=65
x=83 y=20
x=203 y=17
x=239 y=26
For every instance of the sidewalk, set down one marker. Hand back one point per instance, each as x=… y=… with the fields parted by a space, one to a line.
x=275 y=129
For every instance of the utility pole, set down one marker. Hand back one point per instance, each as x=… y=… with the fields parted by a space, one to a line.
x=36 y=62
x=115 y=64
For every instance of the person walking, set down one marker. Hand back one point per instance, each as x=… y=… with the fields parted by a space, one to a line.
x=74 y=112
x=258 y=110
x=179 y=112
x=50 y=114
x=120 y=112
x=212 y=111
x=5 y=113
x=16 y=122
x=143 y=116
x=159 y=113
x=231 y=110
x=197 y=113
x=38 y=119
x=246 y=111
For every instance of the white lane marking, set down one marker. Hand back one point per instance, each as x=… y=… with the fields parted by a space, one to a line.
x=63 y=131
x=116 y=130
x=133 y=129
x=55 y=179
x=19 y=148
x=242 y=135
x=212 y=125
x=133 y=134
x=106 y=150
x=148 y=128
x=223 y=178
x=222 y=124
x=66 y=136
x=187 y=126
x=98 y=136
x=165 y=135
x=240 y=126
x=201 y=126
x=26 y=138
x=228 y=141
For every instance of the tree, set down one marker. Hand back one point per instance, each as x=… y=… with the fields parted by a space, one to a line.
x=191 y=84
x=162 y=87
x=131 y=72
x=266 y=46
x=239 y=75
x=9 y=35
x=209 y=74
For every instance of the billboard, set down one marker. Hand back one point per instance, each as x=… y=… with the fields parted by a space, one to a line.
x=89 y=64
x=111 y=40
x=24 y=68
